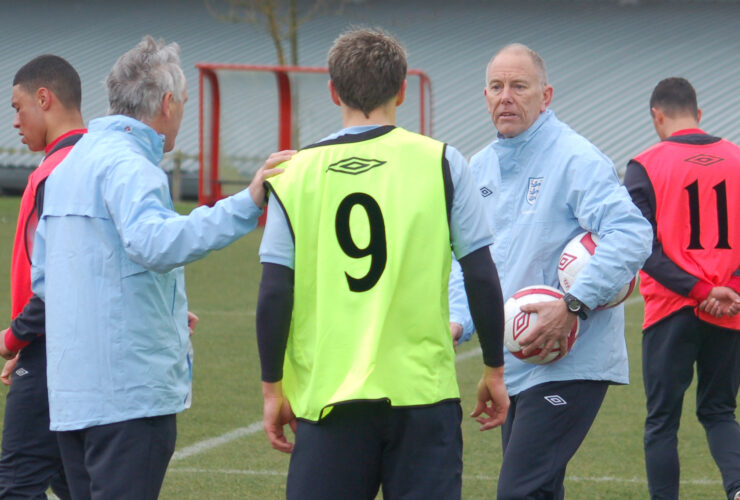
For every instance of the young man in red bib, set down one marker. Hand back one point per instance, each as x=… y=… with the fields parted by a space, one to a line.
x=46 y=98
x=688 y=187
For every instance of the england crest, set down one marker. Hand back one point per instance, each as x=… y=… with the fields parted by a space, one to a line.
x=534 y=189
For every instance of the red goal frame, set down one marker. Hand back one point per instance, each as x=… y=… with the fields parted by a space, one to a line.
x=209 y=184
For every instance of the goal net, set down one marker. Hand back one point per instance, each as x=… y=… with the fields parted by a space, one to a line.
x=247 y=112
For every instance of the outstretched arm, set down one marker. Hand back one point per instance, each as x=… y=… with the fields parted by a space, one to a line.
x=158 y=238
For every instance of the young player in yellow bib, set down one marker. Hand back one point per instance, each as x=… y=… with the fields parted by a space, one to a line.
x=353 y=317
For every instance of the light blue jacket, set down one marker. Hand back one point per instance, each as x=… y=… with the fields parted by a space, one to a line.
x=540 y=189
x=107 y=261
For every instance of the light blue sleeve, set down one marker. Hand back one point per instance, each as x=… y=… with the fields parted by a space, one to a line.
x=469 y=228
x=470 y=231
x=603 y=206
x=277 y=245
x=38 y=261
x=459 y=310
x=158 y=238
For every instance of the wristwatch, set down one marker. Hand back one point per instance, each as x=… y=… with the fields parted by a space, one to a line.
x=575 y=306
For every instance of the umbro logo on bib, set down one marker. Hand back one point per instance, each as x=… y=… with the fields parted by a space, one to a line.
x=485 y=192
x=704 y=160
x=354 y=165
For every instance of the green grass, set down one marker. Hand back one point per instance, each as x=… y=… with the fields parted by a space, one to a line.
x=222 y=289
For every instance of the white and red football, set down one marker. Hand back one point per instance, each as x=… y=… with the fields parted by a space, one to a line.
x=518 y=323
x=575 y=257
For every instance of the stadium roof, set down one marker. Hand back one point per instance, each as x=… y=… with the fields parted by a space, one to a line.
x=603 y=58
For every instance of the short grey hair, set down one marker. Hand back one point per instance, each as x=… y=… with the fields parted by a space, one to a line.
x=142 y=76
x=539 y=63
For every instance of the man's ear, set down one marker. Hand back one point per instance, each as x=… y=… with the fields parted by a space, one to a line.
x=43 y=98
x=659 y=119
x=489 y=105
x=401 y=94
x=547 y=97
x=698 y=115
x=658 y=116
x=334 y=96
x=167 y=101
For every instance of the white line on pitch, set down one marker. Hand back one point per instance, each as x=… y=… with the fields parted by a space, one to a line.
x=630 y=301
x=468 y=354
x=633 y=300
x=608 y=479
x=208 y=444
x=475 y=477
x=225 y=313
x=637 y=480
x=246 y=472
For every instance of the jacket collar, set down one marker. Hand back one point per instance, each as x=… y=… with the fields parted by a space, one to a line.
x=56 y=142
x=513 y=153
x=150 y=142
x=527 y=135
x=687 y=131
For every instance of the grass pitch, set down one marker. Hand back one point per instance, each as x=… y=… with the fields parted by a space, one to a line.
x=223 y=454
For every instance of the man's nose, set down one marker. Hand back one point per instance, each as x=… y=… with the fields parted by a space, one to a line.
x=506 y=94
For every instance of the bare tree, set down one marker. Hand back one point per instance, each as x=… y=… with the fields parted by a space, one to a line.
x=281 y=19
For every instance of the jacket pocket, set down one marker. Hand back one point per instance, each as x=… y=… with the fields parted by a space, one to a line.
x=129 y=267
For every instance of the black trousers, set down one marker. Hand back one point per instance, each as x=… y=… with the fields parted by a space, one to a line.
x=413 y=452
x=123 y=461
x=30 y=461
x=670 y=349
x=543 y=430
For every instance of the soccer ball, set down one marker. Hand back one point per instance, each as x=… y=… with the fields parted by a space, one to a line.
x=518 y=323
x=575 y=257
